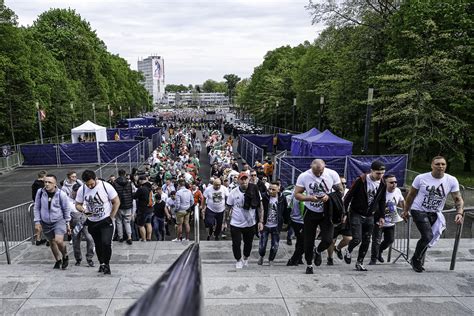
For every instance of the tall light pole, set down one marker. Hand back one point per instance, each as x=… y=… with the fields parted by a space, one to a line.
x=121 y=115
x=108 y=110
x=129 y=112
x=39 y=121
x=73 y=116
x=93 y=109
x=321 y=104
x=294 y=113
x=370 y=97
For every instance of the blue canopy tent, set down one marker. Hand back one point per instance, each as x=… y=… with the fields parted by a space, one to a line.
x=297 y=141
x=326 y=144
x=284 y=141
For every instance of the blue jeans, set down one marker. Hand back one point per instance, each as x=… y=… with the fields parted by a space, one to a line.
x=159 y=227
x=262 y=247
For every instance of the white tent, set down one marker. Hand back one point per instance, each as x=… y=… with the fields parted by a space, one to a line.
x=89 y=132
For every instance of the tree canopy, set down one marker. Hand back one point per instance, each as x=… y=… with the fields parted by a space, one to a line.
x=60 y=63
x=416 y=55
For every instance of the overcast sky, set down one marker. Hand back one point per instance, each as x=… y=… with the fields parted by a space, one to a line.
x=198 y=39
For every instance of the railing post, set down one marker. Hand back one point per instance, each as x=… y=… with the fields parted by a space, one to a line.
x=196 y=224
x=456 y=245
x=292 y=175
x=5 y=241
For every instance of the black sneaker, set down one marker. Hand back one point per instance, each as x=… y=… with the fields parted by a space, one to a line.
x=78 y=263
x=216 y=238
x=289 y=242
x=380 y=258
x=101 y=268
x=347 y=257
x=107 y=269
x=47 y=243
x=292 y=263
x=330 y=261
x=90 y=263
x=260 y=261
x=360 y=266
x=57 y=265
x=120 y=240
x=300 y=261
x=309 y=270
x=416 y=265
x=317 y=259
x=338 y=253
x=40 y=242
x=65 y=263
x=129 y=241
x=208 y=237
x=372 y=262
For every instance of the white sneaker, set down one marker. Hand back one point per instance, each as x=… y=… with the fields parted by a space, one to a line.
x=246 y=262
x=176 y=240
x=239 y=264
x=186 y=240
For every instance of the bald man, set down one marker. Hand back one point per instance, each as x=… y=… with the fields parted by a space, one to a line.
x=317 y=182
x=213 y=207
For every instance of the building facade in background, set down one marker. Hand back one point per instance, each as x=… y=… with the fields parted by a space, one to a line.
x=153 y=69
x=189 y=98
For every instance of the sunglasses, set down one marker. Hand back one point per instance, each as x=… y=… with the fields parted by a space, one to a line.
x=344 y=183
x=253 y=175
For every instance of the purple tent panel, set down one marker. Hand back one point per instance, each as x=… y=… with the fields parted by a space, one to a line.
x=284 y=141
x=326 y=144
x=297 y=141
x=260 y=140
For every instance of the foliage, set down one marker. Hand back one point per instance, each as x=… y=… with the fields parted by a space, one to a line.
x=416 y=55
x=61 y=64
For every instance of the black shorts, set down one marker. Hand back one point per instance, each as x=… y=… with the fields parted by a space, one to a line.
x=343 y=229
x=144 y=218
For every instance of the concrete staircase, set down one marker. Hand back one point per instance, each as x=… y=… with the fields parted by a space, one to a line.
x=31 y=287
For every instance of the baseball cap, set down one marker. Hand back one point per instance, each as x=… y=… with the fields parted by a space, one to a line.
x=243 y=175
x=377 y=165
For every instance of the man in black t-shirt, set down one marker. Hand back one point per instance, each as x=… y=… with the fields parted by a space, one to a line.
x=159 y=213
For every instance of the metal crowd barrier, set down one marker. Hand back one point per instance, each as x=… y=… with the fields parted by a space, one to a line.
x=180 y=285
x=16 y=227
x=403 y=234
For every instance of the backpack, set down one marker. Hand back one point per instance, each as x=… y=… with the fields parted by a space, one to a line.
x=151 y=199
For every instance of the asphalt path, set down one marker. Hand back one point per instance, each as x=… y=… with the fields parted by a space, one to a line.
x=15 y=186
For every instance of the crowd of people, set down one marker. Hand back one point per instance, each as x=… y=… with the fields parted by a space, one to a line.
x=158 y=202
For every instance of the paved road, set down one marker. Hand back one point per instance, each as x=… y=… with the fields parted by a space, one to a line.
x=15 y=186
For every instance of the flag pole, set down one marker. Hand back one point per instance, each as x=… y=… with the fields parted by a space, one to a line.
x=39 y=121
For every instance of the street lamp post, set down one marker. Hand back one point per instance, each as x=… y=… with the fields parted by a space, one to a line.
x=73 y=116
x=121 y=116
x=93 y=110
x=321 y=104
x=294 y=114
x=129 y=112
x=108 y=110
x=370 y=97
x=39 y=122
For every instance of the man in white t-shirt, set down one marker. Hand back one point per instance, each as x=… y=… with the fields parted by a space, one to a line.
x=100 y=202
x=243 y=220
x=213 y=207
x=317 y=182
x=425 y=201
x=394 y=199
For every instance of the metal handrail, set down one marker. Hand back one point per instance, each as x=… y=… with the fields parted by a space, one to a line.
x=181 y=284
x=405 y=241
x=196 y=224
x=16 y=227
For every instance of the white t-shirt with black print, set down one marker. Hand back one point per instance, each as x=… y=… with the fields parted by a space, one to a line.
x=215 y=199
x=392 y=199
x=432 y=192
x=240 y=217
x=372 y=188
x=317 y=185
x=97 y=200
x=272 y=219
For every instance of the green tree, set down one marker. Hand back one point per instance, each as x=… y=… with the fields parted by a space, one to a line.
x=231 y=82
